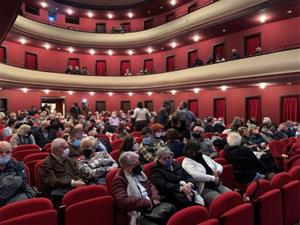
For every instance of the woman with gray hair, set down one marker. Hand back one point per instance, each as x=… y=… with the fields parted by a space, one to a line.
x=132 y=191
x=22 y=137
x=173 y=181
x=93 y=166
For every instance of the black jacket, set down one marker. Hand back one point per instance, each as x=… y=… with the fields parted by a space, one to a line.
x=39 y=137
x=245 y=163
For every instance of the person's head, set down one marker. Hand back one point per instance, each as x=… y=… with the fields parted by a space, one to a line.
x=198 y=132
x=253 y=129
x=183 y=105
x=147 y=135
x=210 y=120
x=70 y=67
x=75 y=137
x=234 y=139
x=192 y=149
x=282 y=127
x=114 y=114
x=297 y=134
x=267 y=121
x=59 y=147
x=172 y=134
x=129 y=144
x=76 y=67
x=44 y=125
x=166 y=104
x=165 y=156
x=243 y=131
x=129 y=162
x=24 y=129
x=121 y=127
x=12 y=123
x=88 y=146
x=68 y=127
x=157 y=130
x=140 y=105
x=221 y=120
x=84 y=68
x=5 y=153
x=234 y=51
x=258 y=50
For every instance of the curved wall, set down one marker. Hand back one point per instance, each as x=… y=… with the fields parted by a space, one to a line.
x=286 y=37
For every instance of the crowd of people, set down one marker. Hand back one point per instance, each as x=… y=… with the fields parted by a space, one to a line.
x=76 y=70
x=79 y=156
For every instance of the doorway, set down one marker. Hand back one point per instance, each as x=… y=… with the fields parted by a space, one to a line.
x=55 y=103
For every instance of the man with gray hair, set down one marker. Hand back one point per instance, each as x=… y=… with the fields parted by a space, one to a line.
x=247 y=167
x=58 y=173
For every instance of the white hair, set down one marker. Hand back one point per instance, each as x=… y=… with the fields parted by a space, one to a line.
x=234 y=139
x=126 y=158
x=57 y=143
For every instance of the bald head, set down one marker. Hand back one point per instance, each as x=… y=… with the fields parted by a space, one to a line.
x=58 y=145
x=5 y=148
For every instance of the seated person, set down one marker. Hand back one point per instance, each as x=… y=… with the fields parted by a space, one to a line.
x=10 y=128
x=220 y=59
x=13 y=186
x=173 y=142
x=173 y=182
x=84 y=71
x=198 y=62
x=69 y=70
x=43 y=134
x=77 y=70
x=149 y=146
x=93 y=166
x=127 y=73
x=234 y=54
x=74 y=142
x=58 y=173
x=129 y=145
x=282 y=132
x=103 y=144
x=204 y=170
x=121 y=132
x=219 y=126
x=132 y=191
x=210 y=60
x=247 y=167
x=22 y=137
x=258 y=51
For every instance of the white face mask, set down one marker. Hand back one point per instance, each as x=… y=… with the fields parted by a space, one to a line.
x=65 y=153
x=158 y=134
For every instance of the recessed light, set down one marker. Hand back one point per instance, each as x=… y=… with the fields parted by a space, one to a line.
x=69 y=11
x=130 y=14
x=92 y=93
x=224 y=30
x=173 y=2
x=92 y=51
x=0 y=88
x=130 y=93
x=23 y=41
x=224 y=88
x=289 y=11
x=71 y=50
x=173 y=44
x=70 y=92
x=44 y=4
x=289 y=83
x=90 y=14
x=196 y=90
x=173 y=92
x=130 y=52
x=263 y=85
x=47 y=46
x=196 y=38
x=84 y=100
x=263 y=18
x=110 y=52
x=110 y=16
x=149 y=93
x=148 y=11
x=58 y=49
x=47 y=91
x=149 y=50
x=110 y=93
x=162 y=48
x=161 y=7
x=24 y=90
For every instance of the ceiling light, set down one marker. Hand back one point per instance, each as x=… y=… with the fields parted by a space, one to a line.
x=110 y=16
x=289 y=83
x=0 y=88
x=47 y=91
x=173 y=2
x=71 y=50
x=44 y=4
x=223 y=88
x=47 y=46
x=196 y=38
x=263 y=18
x=173 y=44
x=149 y=93
x=130 y=93
x=130 y=14
x=110 y=52
x=224 y=30
x=70 y=92
x=90 y=14
x=196 y=90
x=23 y=41
x=69 y=11
x=92 y=51
x=149 y=50
x=130 y=52
x=148 y=11
x=92 y=93
x=110 y=93
x=173 y=92
x=263 y=85
x=289 y=11
x=24 y=90
x=84 y=100
x=161 y=7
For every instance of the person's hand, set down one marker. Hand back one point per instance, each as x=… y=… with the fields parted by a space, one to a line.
x=216 y=173
x=217 y=180
x=156 y=202
x=78 y=183
x=187 y=188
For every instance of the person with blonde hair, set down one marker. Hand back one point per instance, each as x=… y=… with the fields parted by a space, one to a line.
x=22 y=136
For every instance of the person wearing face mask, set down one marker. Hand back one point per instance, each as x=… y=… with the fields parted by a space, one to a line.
x=58 y=173
x=173 y=182
x=134 y=195
x=93 y=166
x=43 y=134
x=150 y=144
x=22 y=137
x=114 y=120
x=13 y=187
x=74 y=142
x=129 y=145
x=204 y=170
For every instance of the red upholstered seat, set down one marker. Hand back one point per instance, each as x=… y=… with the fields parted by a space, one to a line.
x=208 y=135
x=291 y=199
x=104 y=136
x=180 y=159
x=25 y=207
x=139 y=140
x=21 y=154
x=147 y=168
x=35 y=156
x=292 y=162
x=28 y=175
x=37 y=174
x=136 y=134
x=222 y=154
x=115 y=155
x=25 y=147
x=257 y=188
x=295 y=173
x=93 y=211
x=7 y=138
x=47 y=147
x=191 y=216
x=221 y=161
x=209 y=222
x=227 y=177
x=276 y=149
x=84 y=193
x=109 y=178
x=241 y=214
x=280 y=179
x=116 y=144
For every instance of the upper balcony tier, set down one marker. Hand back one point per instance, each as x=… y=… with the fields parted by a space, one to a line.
x=281 y=66
x=204 y=17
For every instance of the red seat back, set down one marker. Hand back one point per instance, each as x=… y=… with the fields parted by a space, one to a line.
x=28 y=175
x=31 y=168
x=209 y=222
x=47 y=147
x=21 y=154
x=139 y=140
x=241 y=214
x=222 y=154
x=148 y=169
x=191 y=215
x=292 y=162
x=37 y=173
x=291 y=199
x=221 y=161
x=295 y=173
x=136 y=134
x=257 y=188
x=280 y=179
x=276 y=149
x=109 y=178
x=35 y=156
x=104 y=136
x=116 y=144
x=208 y=135
x=7 y=138
x=179 y=159
x=26 y=146
x=227 y=177
x=115 y=155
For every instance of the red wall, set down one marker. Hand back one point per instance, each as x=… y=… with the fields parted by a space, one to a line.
x=285 y=31
x=235 y=99
x=89 y=24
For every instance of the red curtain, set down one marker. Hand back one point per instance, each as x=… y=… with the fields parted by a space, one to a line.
x=101 y=68
x=192 y=56
x=73 y=62
x=193 y=106
x=219 y=51
x=124 y=66
x=253 y=108
x=251 y=44
x=170 y=63
x=290 y=108
x=30 y=61
x=220 y=108
x=126 y=26
x=149 y=65
x=2 y=54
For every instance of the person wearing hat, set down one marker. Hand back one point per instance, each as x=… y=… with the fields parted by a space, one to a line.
x=173 y=182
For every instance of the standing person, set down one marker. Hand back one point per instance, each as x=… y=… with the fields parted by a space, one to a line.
x=188 y=116
x=75 y=110
x=163 y=113
x=141 y=116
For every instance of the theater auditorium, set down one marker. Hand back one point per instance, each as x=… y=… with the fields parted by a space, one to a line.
x=150 y=112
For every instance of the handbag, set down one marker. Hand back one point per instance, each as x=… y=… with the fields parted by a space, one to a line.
x=160 y=213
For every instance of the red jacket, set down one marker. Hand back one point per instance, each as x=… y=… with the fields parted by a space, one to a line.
x=124 y=203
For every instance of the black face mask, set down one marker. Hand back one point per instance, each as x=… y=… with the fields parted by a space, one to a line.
x=195 y=135
x=87 y=152
x=137 y=170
